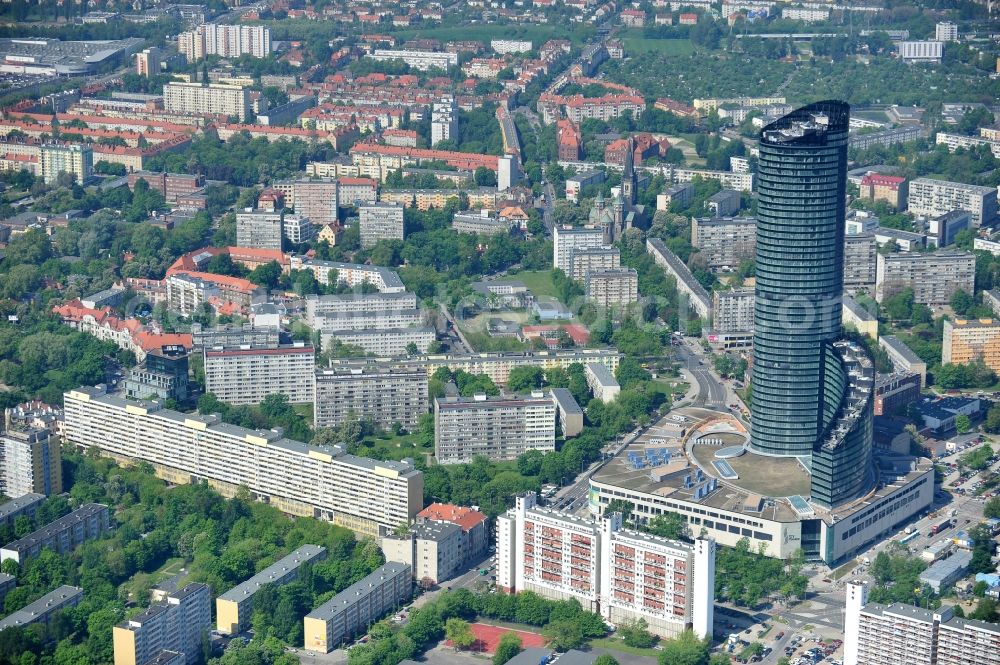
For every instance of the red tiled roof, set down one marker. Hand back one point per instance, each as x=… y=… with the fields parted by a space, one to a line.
x=467 y=518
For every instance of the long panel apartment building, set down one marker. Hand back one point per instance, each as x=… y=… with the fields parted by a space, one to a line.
x=894 y=634
x=329 y=306
x=212 y=98
x=623 y=575
x=349 y=274
x=354 y=609
x=87 y=522
x=42 y=610
x=364 y=495
x=936 y=197
x=497 y=427
x=248 y=374
x=934 y=277
x=179 y=624
x=383 y=394
x=383 y=342
x=234 y=608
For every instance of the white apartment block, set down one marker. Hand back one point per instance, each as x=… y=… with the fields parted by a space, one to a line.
x=30 y=463
x=298 y=229
x=248 y=374
x=805 y=14
x=624 y=575
x=946 y=31
x=613 y=287
x=859 y=262
x=353 y=610
x=900 y=634
x=698 y=299
x=383 y=342
x=732 y=310
x=328 y=307
x=504 y=46
x=77 y=160
x=147 y=62
x=383 y=394
x=380 y=319
x=350 y=274
x=725 y=241
x=88 y=522
x=364 y=495
x=422 y=60
x=584 y=261
x=934 y=277
x=259 y=229
x=602 y=382
x=497 y=427
x=380 y=220
x=212 y=99
x=565 y=241
x=316 y=199
x=954 y=141
x=920 y=51
x=228 y=41
x=179 y=624
x=444 y=121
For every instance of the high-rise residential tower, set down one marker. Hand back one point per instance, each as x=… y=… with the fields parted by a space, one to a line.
x=811 y=393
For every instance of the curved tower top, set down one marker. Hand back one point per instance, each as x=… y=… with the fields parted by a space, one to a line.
x=801 y=185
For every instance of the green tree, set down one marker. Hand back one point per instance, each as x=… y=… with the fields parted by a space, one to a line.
x=605 y=659
x=992 y=508
x=508 y=647
x=962 y=423
x=563 y=634
x=685 y=649
x=459 y=633
x=668 y=525
x=636 y=634
x=523 y=379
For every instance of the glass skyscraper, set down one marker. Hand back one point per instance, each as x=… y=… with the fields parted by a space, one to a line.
x=811 y=394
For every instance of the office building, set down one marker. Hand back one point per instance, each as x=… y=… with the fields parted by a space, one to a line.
x=972 y=340
x=75 y=160
x=888 y=188
x=180 y=624
x=259 y=229
x=725 y=242
x=860 y=221
x=812 y=394
x=148 y=61
x=382 y=220
x=943 y=229
x=859 y=262
x=234 y=608
x=936 y=197
x=497 y=427
x=624 y=575
x=431 y=550
x=901 y=634
x=422 y=60
x=247 y=375
x=567 y=240
x=903 y=358
x=946 y=31
x=364 y=495
x=357 y=607
x=894 y=392
x=732 y=310
x=934 y=277
x=211 y=99
x=689 y=288
x=905 y=241
x=382 y=394
x=920 y=51
x=43 y=609
x=30 y=462
x=87 y=522
x=162 y=374
x=612 y=287
x=227 y=41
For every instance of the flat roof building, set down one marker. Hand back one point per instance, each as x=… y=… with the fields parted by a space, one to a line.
x=971 y=340
x=903 y=358
x=725 y=241
x=383 y=394
x=42 y=609
x=569 y=412
x=234 y=608
x=248 y=374
x=602 y=383
x=934 y=277
x=382 y=220
x=179 y=624
x=23 y=505
x=697 y=297
x=497 y=427
x=928 y=196
x=612 y=287
x=30 y=462
x=365 y=495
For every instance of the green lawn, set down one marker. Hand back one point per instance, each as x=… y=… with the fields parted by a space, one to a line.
x=482 y=342
x=394 y=447
x=635 y=43
x=538 y=281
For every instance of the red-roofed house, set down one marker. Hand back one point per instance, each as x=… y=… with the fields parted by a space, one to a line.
x=889 y=188
x=675 y=107
x=550 y=333
x=473 y=523
x=688 y=19
x=633 y=18
x=128 y=334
